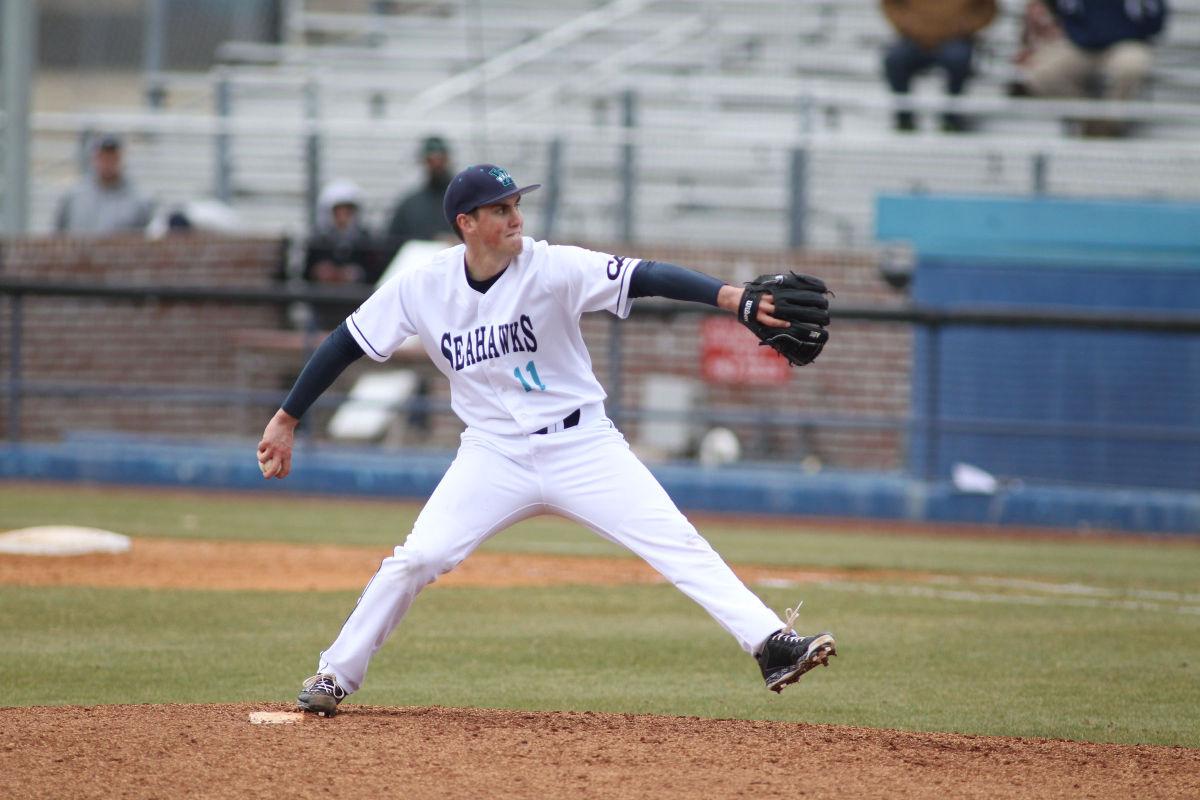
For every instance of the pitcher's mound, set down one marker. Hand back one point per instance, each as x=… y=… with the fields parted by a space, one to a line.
x=208 y=752
x=61 y=540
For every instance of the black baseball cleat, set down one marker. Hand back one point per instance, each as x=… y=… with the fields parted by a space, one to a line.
x=321 y=694
x=786 y=655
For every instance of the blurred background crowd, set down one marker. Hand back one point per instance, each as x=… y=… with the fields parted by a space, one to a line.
x=736 y=137
x=254 y=112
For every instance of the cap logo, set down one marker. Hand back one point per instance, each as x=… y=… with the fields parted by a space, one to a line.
x=502 y=176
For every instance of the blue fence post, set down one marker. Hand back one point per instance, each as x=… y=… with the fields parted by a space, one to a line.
x=312 y=151
x=628 y=166
x=223 y=178
x=798 y=197
x=933 y=402
x=553 y=187
x=1040 y=166
x=154 y=43
x=14 y=369
x=18 y=65
x=615 y=379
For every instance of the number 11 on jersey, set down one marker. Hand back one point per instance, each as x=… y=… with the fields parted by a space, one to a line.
x=532 y=370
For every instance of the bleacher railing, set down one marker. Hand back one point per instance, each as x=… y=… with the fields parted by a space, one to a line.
x=800 y=178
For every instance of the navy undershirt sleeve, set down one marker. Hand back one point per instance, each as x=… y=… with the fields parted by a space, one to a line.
x=338 y=351
x=663 y=279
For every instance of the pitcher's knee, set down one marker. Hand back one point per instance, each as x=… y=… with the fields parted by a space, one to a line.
x=414 y=564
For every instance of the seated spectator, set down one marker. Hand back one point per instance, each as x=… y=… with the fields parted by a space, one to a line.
x=105 y=202
x=1039 y=28
x=419 y=215
x=934 y=33
x=1104 y=51
x=341 y=250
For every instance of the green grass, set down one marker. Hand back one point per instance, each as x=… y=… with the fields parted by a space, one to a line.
x=279 y=517
x=266 y=516
x=970 y=657
x=1047 y=672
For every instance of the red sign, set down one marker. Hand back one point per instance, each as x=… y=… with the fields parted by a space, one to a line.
x=731 y=354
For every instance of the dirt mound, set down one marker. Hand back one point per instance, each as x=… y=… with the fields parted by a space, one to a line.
x=212 y=751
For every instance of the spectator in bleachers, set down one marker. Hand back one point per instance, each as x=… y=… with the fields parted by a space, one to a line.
x=104 y=202
x=934 y=33
x=1039 y=28
x=1104 y=51
x=419 y=215
x=342 y=250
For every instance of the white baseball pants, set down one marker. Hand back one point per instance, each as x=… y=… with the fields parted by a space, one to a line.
x=586 y=473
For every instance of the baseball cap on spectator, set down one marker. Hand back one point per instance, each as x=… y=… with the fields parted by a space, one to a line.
x=479 y=185
x=107 y=141
x=178 y=221
x=434 y=145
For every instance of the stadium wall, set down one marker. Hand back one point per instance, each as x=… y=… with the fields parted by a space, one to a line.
x=125 y=350
x=757 y=489
x=1094 y=406
x=115 y=347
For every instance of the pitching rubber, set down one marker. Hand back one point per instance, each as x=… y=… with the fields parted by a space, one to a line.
x=276 y=717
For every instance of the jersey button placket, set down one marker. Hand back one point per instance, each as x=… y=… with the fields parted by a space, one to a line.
x=495 y=370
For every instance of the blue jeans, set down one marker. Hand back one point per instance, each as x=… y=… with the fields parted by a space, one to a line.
x=906 y=58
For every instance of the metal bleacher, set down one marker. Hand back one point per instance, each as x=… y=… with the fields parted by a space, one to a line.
x=713 y=100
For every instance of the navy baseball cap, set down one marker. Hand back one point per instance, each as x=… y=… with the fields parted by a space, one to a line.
x=479 y=185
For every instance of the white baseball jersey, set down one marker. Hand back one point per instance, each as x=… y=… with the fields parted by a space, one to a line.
x=517 y=363
x=514 y=355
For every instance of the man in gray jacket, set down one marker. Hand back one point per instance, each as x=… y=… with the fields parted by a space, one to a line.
x=419 y=215
x=104 y=202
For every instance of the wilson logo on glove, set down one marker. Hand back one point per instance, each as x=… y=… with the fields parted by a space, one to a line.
x=801 y=301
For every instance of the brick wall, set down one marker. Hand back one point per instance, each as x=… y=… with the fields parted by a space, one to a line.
x=113 y=345
x=864 y=371
x=192 y=260
x=108 y=346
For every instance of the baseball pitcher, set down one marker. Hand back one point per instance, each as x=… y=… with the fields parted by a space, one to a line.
x=499 y=315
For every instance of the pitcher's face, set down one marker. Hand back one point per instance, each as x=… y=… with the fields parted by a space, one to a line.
x=497 y=228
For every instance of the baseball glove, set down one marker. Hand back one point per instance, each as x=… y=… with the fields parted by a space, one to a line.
x=800 y=300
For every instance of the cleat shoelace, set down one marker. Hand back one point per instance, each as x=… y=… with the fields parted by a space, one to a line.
x=789 y=622
x=787 y=637
x=325 y=684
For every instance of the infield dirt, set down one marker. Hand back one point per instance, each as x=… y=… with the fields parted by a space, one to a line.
x=177 y=564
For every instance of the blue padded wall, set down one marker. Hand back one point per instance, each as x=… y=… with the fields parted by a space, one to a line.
x=1078 y=406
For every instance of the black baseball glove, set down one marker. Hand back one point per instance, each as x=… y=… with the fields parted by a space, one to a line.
x=800 y=300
